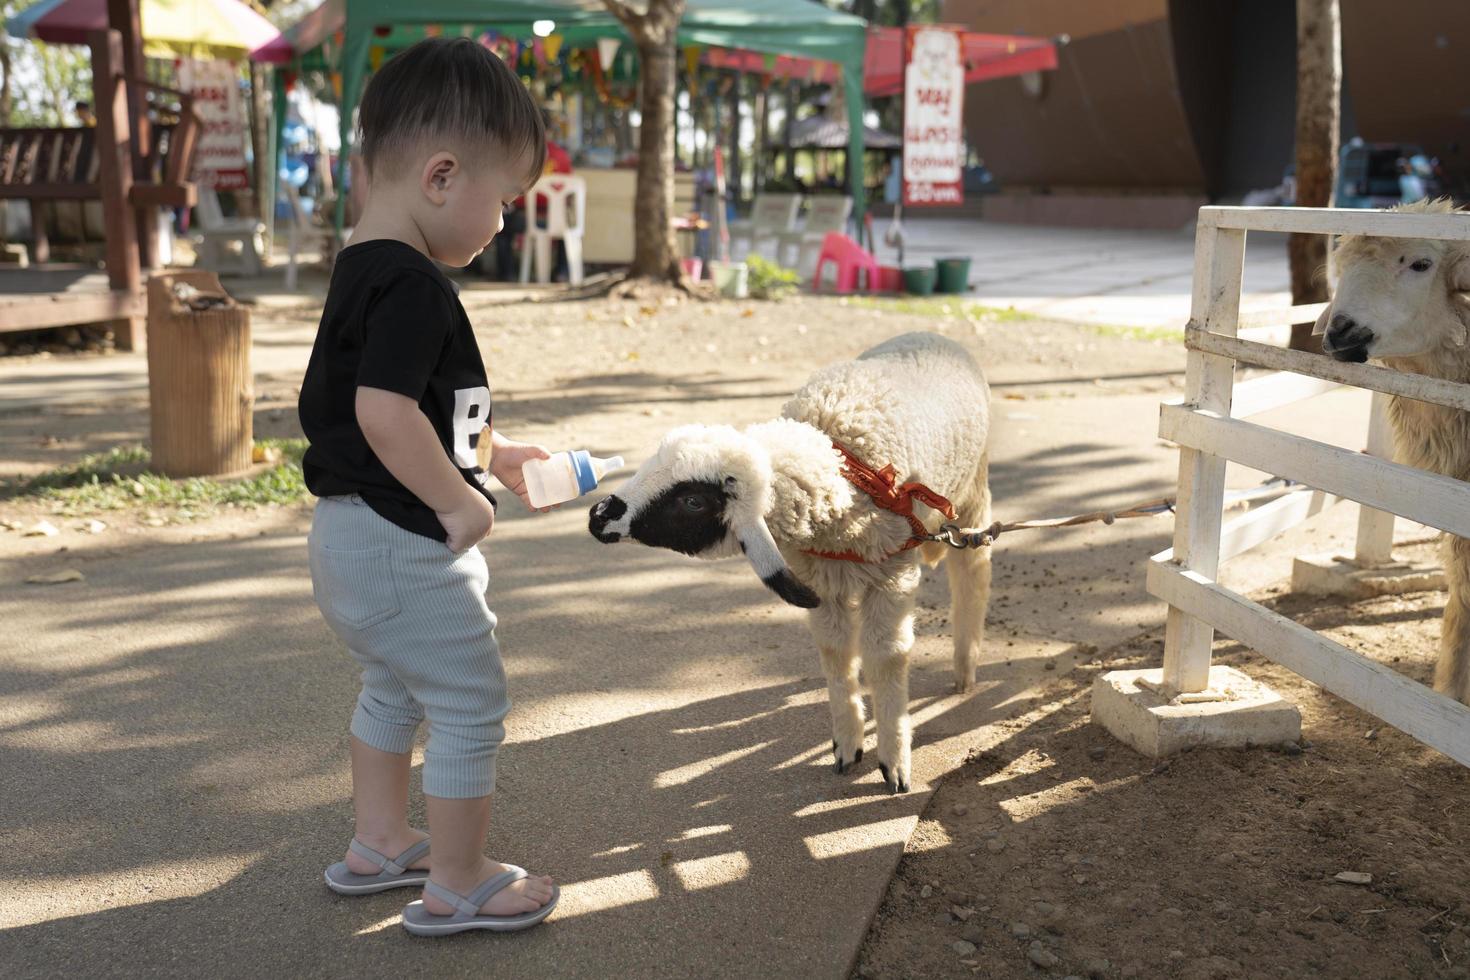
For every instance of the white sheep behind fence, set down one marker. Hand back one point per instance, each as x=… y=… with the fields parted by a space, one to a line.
x=1406 y=302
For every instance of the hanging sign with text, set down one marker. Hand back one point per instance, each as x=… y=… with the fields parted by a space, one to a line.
x=933 y=117
x=219 y=156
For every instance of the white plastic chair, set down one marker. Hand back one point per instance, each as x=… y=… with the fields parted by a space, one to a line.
x=827 y=213
x=772 y=216
x=557 y=191
x=300 y=222
x=217 y=233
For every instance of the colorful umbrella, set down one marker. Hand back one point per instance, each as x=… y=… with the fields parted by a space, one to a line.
x=171 y=28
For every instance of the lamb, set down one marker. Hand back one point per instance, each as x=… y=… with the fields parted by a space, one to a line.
x=779 y=492
x=1407 y=302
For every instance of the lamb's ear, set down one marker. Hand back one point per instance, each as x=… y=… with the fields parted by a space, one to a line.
x=1460 y=299
x=1321 y=326
x=765 y=558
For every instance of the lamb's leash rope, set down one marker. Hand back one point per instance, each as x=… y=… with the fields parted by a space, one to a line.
x=882 y=486
x=970 y=537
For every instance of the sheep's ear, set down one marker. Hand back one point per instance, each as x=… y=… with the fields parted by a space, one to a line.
x=1322 y=318
x=760 y=549
x=1460 y=299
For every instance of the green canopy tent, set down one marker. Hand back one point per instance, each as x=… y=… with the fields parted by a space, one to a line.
x=339 y=36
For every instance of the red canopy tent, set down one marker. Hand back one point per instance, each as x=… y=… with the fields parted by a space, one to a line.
x=987 y=56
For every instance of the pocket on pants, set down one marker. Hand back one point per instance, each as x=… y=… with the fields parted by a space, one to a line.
x=356 y=588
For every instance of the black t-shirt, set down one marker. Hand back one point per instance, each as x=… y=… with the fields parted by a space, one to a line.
x=392 y=320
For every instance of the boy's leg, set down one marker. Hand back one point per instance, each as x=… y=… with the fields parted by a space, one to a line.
x=383 y=727
x=359 y=601
x=461 y=686
x=459 y=828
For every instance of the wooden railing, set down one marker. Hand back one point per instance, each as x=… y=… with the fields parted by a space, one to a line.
x=60 y=163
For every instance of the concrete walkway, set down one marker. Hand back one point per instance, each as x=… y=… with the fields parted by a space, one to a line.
x=1103 y=276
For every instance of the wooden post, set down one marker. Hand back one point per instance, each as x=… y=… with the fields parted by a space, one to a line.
x=1318 y=109
x=1219 y=258
x=122 y=16
x=115 y=176
x=200 y=388
x=1375 y=527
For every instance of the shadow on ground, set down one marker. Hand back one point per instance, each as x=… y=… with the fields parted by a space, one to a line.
x=185 y=783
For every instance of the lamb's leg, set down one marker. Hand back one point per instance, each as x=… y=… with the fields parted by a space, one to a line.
x=969 y=589
x=1452 y=674
x=887 y=636
x=832 y=625
x=969 y=597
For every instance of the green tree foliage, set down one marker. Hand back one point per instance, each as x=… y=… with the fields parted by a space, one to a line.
x=40 y=84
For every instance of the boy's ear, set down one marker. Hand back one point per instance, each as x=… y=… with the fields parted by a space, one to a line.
x=439 y=172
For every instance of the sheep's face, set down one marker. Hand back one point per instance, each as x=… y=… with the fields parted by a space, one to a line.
x=1397 y=297
x=704 y=493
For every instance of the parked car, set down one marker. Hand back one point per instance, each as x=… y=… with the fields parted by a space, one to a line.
x=1380 y=175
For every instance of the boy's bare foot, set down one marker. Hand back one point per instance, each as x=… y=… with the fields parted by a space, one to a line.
x=526 y=895
x=391 y=846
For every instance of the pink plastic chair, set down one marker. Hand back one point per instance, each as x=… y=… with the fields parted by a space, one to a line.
x=850 y=258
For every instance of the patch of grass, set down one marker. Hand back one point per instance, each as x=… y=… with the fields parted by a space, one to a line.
x=119 y=479
x=940 y=306
x=767 y=280
x=936 y=306
x=1165 y=334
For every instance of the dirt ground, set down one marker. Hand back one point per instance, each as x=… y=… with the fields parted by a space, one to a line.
x=1057 y=851
x=1054 y=850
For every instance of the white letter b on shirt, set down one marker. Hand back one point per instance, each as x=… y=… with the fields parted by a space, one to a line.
x=471 y=414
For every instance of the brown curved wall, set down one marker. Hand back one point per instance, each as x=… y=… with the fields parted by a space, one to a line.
x=1197 y=96
x=1407 y=68
x=1112 y=114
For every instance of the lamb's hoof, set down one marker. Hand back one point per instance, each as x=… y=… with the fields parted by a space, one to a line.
x=897 y=782
x=841 y=767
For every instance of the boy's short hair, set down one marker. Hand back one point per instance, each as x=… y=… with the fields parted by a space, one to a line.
x=447 y=88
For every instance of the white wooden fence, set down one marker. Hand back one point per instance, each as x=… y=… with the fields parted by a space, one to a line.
x=1210 y=429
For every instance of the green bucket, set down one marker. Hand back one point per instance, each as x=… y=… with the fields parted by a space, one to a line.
x=919 y=280
x=954 y=275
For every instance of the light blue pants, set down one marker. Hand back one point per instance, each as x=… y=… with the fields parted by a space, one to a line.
x=413 y=615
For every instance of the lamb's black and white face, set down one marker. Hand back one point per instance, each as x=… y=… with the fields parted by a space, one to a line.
x=704 y=493
x=688 y=517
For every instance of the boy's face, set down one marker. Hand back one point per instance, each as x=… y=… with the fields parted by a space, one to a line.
x=463 y=202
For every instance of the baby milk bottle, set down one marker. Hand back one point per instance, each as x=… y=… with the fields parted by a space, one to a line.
x=565 y=476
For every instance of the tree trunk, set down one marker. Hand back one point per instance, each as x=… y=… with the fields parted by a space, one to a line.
x=655 y=34
x=654 y=251
x=762 y=134
x=260 y=118
x=1318 y=108
x=735 y=169
x=7 y=103
x=791 y=103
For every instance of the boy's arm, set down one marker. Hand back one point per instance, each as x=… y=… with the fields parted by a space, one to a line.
x=404 y=440
x=507 y=457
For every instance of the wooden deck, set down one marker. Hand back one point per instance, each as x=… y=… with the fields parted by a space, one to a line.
x=59 y=296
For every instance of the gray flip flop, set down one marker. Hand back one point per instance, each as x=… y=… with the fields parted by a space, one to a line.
x=421 y=922
x=395 y=874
